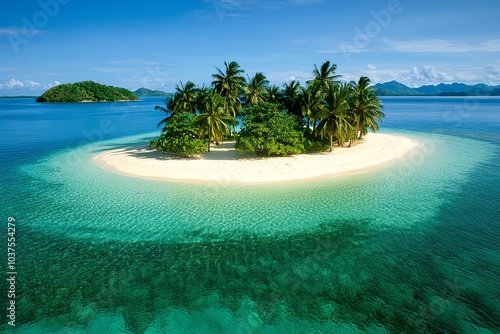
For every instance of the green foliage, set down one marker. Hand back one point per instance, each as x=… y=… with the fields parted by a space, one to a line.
x=336 y=116
x=255 y=89
x=86 y=91
x=394 y=88
x=180 y=136
x=325 y=76
x=313 y=143
x=310 y=99
x=213 y=121
x=291 y=98
x=148 y=92
x=366 y=106
x=277 y=122
x=267 y=131
x=229 y=84
x=273 y=94
x=185 y=98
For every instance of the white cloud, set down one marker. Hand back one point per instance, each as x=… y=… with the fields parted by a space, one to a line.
x=33 y=84
x=490 y=46
x=417 y=76
x=16 y=84
x=16 y=31
x=492 y=75
x=430 y=74
x=438 y=45
x=13 y=84
x=414 y=46
x=11 y=31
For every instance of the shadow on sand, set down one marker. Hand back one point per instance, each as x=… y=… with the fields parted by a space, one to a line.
x=224 y=151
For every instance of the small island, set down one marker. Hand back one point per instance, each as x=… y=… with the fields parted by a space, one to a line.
x=146 y=92
x=245 y=130
x=86 y=91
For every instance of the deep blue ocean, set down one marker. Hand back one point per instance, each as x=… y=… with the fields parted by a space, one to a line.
x=412 y=248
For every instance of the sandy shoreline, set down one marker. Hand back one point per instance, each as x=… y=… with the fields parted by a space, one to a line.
x=224 y=164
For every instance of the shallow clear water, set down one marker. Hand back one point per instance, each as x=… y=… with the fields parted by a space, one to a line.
x=410 y=248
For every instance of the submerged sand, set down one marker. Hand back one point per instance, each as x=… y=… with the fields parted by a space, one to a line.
x=225 y=164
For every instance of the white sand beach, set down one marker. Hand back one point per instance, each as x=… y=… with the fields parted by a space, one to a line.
x=225 y=164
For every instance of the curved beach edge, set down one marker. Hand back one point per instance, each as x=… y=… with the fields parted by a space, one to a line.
x=226 y=165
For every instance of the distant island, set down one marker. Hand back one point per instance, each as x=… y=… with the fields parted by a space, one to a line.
x=145 y=92
x=19 y=97
x=394 y=88
x=86 y=91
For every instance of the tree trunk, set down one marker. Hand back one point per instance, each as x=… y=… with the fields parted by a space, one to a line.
x=331 y=143
x=208 y=145
x=358 y=133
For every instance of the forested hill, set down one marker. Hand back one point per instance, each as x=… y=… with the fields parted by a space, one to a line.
x=394 y=88
x=86 y=91
x=148 y=92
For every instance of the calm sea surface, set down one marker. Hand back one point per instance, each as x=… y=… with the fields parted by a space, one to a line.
x=412 y=248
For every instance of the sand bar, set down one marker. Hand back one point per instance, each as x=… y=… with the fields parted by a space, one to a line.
x=225 y=164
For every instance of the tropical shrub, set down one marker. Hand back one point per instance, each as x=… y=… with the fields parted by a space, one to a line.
x=180 y=136
x=268 y=131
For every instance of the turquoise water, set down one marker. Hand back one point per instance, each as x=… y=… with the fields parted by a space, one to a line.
x=412 y=248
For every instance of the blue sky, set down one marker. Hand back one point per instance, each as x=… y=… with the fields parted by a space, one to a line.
x=156 y=44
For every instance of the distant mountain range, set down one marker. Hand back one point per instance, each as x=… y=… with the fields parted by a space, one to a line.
x=148 y=92
x=394 y=88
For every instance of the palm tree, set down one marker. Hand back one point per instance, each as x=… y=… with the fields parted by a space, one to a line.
x=366 y=106
x=273 y=94
x=325 y=76
x=229 y=85
x=168 y=109
x=184 y=100
x=310 y=102
x=255 y=89
x=336 y=115
x=187 y=96
x=291 y=98
x=203 y=93
x=213 y=121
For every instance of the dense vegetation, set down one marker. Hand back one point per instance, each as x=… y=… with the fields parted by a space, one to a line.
x=180 y=135
x=86 y=91
x=148 y=92
x=268 y=131
x=275 y=121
